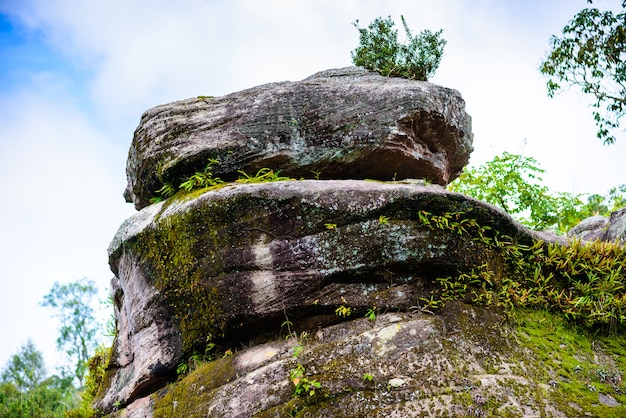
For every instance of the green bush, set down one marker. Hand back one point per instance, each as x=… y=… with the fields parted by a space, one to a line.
x=379 y=50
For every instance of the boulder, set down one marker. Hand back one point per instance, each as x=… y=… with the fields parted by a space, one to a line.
x=602 y=228
x=406 y=360
x=349 y=295
x=466 y=361
x=590 y=229
x=339 y=124
x=232 y=264
x=616 y=228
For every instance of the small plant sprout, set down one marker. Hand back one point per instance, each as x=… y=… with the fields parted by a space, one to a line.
x=166 y=191
x=316 y=174
x=303 y=385
x=297 y=350
x=383 y=220
x=371 y=314
x=182 y=368
x=343 y=311
x=264 y=175
x=330 y=226
x=368 y=377
x=287 y=323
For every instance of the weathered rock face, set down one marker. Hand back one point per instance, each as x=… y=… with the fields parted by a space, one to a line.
x=345 y=124
x=616 y=229
x=231 y=264
x=590 y=229
x=602 y=228
x=272 y=280
x=465 y=362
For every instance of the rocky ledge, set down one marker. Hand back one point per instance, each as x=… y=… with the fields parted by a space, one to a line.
x=341 y=124
x=231 y=264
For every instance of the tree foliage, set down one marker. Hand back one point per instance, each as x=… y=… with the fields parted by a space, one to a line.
x=72 y=304
x=26 y=391
x=591 y=55
x=380 y=50
x=513 y=183
x=25 y=369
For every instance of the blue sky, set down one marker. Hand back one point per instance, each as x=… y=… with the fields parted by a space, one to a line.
x=75 y=77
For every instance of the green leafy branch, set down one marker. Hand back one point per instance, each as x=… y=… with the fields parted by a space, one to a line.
x=513 y=183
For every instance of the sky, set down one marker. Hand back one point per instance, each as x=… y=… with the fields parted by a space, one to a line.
x=75 y=77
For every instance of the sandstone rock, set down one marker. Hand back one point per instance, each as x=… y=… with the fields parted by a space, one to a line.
x=147 y=345
x=616 y=229
x=346 y=124
x=590 y=229
x=230 y=265
x=465 y=362
x=601 y=228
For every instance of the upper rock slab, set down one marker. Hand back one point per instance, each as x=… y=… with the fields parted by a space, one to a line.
x=345 y=124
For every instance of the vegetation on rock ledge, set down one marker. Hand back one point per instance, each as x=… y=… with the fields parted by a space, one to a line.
x=379 y=50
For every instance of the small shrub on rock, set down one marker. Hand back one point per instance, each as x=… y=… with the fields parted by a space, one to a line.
x=380 y=50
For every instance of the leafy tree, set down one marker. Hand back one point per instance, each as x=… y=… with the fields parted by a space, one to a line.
x=78 y=325
x=25 y=370
x=592 y=55
x=25 y=391
x=604 y=205
x=379 y=50
x=513 y=183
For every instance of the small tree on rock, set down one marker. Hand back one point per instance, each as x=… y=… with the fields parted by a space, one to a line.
x=379 y=50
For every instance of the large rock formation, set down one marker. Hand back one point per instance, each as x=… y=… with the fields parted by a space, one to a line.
x=231 y=264
x=345 y=124
x=272 y=280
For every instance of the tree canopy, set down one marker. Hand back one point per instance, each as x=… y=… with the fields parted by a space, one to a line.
x=591 y=55
x=72 y=305
x=513 y=182
x=27 y=391
x=25 y=369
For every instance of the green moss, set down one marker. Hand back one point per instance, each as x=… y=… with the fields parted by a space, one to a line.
x=188 y=395
x=169 y=253
x=577 y=364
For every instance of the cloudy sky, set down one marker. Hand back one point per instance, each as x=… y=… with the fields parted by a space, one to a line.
x=75 y=77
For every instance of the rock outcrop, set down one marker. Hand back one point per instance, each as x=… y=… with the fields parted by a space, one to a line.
x=340 y=296
x=602 y=228
x=231 y=264
x=343 y=124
